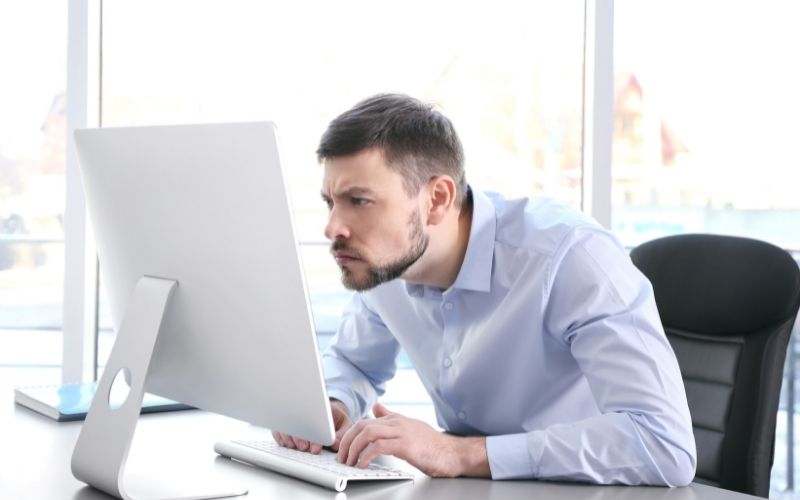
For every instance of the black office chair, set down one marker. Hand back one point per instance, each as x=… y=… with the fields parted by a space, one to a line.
x=728 y=305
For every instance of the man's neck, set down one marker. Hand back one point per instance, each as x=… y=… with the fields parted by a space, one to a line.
x=446 y=251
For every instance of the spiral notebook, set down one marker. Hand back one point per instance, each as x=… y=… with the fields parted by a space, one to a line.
x=71 y=401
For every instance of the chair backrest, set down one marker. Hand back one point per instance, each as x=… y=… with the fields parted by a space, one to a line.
x=728 y=305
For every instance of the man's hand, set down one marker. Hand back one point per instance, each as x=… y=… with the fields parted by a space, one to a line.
x=341 y=423
x=433 y=452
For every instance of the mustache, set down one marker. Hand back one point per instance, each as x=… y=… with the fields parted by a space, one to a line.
x=342 y=246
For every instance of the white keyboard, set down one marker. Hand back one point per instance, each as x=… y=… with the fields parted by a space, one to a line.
x=322 y=469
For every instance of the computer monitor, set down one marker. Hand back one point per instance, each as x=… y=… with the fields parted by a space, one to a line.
x=194 y=233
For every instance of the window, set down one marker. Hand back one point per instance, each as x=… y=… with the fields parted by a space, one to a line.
x=32 y=144
x=704 y=133
x=704 y=128
x=510 y=77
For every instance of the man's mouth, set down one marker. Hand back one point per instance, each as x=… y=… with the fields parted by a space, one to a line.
x=343 y=258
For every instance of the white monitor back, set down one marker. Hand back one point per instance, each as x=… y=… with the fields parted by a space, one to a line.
x=208 y=207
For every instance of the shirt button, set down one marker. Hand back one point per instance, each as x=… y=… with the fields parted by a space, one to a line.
x=462 y=415
x=448 y=306
x=447 y=362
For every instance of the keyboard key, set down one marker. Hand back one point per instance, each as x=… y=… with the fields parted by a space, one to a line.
x=322 y=469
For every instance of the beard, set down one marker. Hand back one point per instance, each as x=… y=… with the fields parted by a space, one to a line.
x=377 y=275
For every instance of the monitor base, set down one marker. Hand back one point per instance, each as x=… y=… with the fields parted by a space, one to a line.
x=102 y=448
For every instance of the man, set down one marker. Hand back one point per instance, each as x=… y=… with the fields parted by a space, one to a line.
x=537 y=339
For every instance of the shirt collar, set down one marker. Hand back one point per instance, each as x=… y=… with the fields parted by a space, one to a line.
x=476 y=270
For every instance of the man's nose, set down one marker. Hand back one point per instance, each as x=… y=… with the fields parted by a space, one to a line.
x=336 y=228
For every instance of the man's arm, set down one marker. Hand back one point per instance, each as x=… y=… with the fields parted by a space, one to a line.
x=360 y=359
x=603 y=310
x=435 y=453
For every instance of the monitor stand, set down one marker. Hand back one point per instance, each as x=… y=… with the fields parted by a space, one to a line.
x=102 y=448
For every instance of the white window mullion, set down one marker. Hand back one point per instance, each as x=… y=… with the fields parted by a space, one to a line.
x=80 y=267
x=598 y=109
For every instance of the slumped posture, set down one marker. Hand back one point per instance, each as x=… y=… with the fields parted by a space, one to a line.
x=537 y=339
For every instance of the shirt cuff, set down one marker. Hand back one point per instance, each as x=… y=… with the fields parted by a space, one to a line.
x=346 y=398
x=508 y=456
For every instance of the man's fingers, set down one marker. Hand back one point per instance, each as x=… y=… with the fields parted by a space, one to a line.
x=338 y=438
x=381 y=411
x=301 y=444
x=347 y=438
x=344 y=443
x=294 y=443
x=375 y=448
x=283 y=439
x=369 y=434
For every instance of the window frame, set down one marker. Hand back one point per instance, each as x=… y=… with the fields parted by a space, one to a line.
x=79 y=326
x=84 y=106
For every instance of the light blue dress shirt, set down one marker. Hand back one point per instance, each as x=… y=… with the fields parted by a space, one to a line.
x=548 y=343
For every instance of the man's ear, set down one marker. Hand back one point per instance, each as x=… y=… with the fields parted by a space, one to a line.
x=441 y=198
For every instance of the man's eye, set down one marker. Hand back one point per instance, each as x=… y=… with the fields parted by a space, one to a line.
x=359 y=202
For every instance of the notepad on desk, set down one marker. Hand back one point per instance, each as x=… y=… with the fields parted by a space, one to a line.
x=71 y=401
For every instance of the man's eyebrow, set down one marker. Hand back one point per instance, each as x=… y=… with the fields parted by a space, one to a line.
x=351 y=191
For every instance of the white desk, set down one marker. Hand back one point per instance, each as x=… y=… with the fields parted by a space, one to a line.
x=35 y=464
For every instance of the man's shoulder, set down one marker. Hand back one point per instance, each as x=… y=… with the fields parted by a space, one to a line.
x=537 y=224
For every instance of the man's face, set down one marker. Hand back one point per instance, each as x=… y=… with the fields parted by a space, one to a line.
x=375 y=228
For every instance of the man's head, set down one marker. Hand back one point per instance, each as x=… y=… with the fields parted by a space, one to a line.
x=390 y=161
